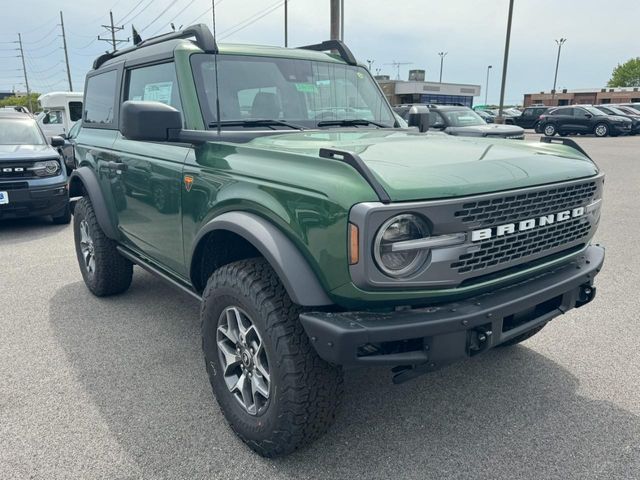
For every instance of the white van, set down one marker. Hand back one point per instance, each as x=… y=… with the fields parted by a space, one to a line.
x=60 y=111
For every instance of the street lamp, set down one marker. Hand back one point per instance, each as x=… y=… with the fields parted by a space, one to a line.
x=560 y=42
x=486 y=89
x=442 y=55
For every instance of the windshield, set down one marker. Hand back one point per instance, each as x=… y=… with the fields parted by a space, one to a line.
x=594 y=111
x=299 y=92
x=462 y=118
x=14 y=131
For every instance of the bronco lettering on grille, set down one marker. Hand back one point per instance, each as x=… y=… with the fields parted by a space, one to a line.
x=529 y=224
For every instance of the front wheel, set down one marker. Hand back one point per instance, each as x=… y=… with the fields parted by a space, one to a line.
x=274 y=390
x=550 y=130
x=104 y=270
x=601 y=130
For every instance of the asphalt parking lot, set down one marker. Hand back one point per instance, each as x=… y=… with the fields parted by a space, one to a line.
x=116 y=387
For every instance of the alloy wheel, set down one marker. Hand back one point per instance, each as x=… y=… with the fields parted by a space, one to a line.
x=243 y=359
x=87 y=248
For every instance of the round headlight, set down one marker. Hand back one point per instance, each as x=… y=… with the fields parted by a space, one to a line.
x=400 y=263
x=46 y=168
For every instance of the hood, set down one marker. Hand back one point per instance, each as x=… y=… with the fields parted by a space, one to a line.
x=417 y=166
x=27 y=152
x=486 y=130
x=619 y=118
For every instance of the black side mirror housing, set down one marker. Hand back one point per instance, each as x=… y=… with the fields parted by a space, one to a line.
x=148 y=121
x=56 y=141
x=418 y=116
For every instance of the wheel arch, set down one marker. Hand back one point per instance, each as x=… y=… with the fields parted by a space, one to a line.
x=250 y=235
x=83 y=182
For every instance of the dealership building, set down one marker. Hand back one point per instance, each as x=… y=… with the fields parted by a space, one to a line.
x=584 y=96
x=417 y=90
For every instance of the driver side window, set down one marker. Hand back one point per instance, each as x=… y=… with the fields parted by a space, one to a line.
x=435 y=120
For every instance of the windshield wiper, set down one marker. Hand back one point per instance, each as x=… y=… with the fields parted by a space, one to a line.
x=256 y=122
x=350 y=122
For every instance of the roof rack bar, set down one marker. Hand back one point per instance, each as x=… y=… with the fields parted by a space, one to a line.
x=354 y=160
x=203 y=38
x=337 y=45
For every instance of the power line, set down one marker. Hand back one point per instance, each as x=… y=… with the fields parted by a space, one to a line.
x=130 y=11
x=175 y=16
x=138 y=14
x=45 y=37
x=250 y=20
x=171 y=4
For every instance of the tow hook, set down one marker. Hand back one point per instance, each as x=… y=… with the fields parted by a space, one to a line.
x=478 y=340
x=586 y=294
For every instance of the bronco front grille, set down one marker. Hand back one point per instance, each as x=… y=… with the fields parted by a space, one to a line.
x=509 y=249
x=508 y=209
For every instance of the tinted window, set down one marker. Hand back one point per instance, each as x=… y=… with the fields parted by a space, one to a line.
x=53 y=117
x=563 y=111
x=528 y=112
x=157 y=83
x=75 y=111
x=100 y=98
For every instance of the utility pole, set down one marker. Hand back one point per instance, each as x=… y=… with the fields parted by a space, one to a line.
x=486 y=89
x=442 y=55
x=24 y=69
x=286 y=35
x=500 y=118
x=342 y=20
x=555 y=77
x=335 y=19
x=112 y=29
x=66 y=54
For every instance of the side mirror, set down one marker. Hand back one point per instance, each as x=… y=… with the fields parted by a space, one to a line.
x=56 y=141
x=148 y=121
x=588 y=115
x=419 y=117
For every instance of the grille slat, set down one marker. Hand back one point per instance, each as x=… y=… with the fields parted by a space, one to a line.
x=16 y=169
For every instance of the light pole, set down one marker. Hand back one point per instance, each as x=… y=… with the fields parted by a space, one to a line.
x=486 y=88
x=442 y=55
x=500 y=118
x=560 y=42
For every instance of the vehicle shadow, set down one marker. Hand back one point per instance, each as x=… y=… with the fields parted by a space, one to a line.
x=21 y=230
x=509 y=414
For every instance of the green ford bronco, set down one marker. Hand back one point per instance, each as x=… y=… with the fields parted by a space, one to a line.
x=318 y=231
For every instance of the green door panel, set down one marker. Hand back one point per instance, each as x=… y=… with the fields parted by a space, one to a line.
x=150 y=215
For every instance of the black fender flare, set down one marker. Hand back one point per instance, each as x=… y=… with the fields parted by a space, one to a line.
x=91 y=187
x=292 y=268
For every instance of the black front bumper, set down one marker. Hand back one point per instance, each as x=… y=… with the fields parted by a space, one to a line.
x=27 y=201
x=436 y=336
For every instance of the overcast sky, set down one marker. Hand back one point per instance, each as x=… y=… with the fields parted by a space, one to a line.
x=600 y=35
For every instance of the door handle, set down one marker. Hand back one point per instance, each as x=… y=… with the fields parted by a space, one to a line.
x=117 y=167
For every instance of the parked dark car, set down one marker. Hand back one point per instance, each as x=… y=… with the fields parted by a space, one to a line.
x=634 y=117
x=33 y=181
x=529 y=118
x=68 y=151
x=487 y=116
x=635 y=106
x=583 y=120
x=462 y=121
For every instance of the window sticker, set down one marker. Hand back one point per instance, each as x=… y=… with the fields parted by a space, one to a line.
x=306 y=87
x=158 y=92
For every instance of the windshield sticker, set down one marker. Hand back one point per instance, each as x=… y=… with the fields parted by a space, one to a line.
x=158 y=92
x=306 y=87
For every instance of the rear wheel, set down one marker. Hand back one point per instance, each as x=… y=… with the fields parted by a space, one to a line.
x=104 y=270
x=274 y=390
x=550 y=130
x=601 y=130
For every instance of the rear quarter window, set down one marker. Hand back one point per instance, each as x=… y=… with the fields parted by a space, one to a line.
x=100 y=99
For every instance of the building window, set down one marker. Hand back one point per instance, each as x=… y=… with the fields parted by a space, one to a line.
x=464 y=100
